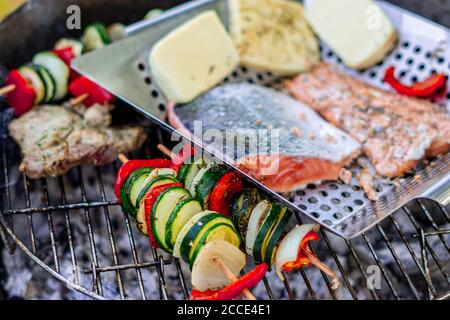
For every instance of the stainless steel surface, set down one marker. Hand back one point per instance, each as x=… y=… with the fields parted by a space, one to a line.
x=122 y=68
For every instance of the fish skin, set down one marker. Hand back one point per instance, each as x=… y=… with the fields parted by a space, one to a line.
x=396 y=131
x=303 y=134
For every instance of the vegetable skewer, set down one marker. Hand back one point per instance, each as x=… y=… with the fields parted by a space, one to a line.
x=215 y=259
x=175 y=222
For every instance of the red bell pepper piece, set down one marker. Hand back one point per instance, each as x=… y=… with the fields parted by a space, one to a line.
x=423 y=89
x=133 y=165
x=187 y=152
x=149 y=200
x=67 y=55
x=96 y=94
x=220 y=197
x=247 y=281
x=22 y=98
x=302 y=260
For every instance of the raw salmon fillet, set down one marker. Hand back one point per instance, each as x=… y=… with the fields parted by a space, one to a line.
x=306 y=149
x=395 y=131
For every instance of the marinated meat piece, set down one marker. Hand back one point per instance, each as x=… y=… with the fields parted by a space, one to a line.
x=396 y=131
x=54 y=139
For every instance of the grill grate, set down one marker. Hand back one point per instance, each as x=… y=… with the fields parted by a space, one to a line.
x=85 y=195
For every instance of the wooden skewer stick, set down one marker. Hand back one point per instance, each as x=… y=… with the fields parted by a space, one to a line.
x=79 y=99
x=7 y=89
x=166 y=151
x=335 y=283
x=123 y=158
x=231 y=276
x=73 y=102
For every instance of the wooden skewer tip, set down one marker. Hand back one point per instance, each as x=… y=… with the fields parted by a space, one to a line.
x=231 y=276
x=123 y=158
x=7 y=89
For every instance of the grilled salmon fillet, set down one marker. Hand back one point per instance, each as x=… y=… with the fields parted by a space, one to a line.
x=295 y=145
x=395 y=131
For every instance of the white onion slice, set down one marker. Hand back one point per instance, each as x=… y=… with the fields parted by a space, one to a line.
x=288 y=249
x=206 y=274
x=253 y=225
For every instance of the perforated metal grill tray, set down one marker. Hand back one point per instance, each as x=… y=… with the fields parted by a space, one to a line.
x=424 y=47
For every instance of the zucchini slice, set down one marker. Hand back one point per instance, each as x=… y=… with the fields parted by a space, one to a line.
x=185 y=230
x=140 y=216
x=95 y=37
x=162 y=208
x=48 y=81
x=195 y=181
x=125 y=190
x=207 y=182
x=265 y=232
x=241 y=208
x=57 y=69
x=195 y=236
x=258 y=215
x=142 y=187
x=219 y=231
x=188 y=172
x=31 y=74
x=182 y=213
x=275 y=236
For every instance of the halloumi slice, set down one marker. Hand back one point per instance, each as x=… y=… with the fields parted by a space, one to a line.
x=358 y=31
x=193 y=58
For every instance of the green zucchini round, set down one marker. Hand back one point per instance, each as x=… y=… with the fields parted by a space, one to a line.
x=125 y=190
x=207 y=183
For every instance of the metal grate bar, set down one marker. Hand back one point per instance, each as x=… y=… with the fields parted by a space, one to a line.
x=427 y=245
x=360 y=267
x=10 y=246
x=380 y=265
x=433 y=223
x=411 y=252
x=135 y=255
x=29 y=216
x=339 y=265
x=62 y=207
x=181 y=278
x=97 y=283
x=69 y=231
x=398 y=262
x=44 y=188
x=325 y=278
x=110 y=233
x=120 y=267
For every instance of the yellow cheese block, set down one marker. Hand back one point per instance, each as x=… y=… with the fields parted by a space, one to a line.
x=357 y=30
x=193 y=58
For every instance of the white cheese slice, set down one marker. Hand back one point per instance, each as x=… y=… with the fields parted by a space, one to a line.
x=358 y=31
x=193 y=58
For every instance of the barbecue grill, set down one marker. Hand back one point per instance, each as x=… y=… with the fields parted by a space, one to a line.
x=74 y=229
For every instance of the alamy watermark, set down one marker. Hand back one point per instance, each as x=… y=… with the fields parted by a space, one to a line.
x=73 y=21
